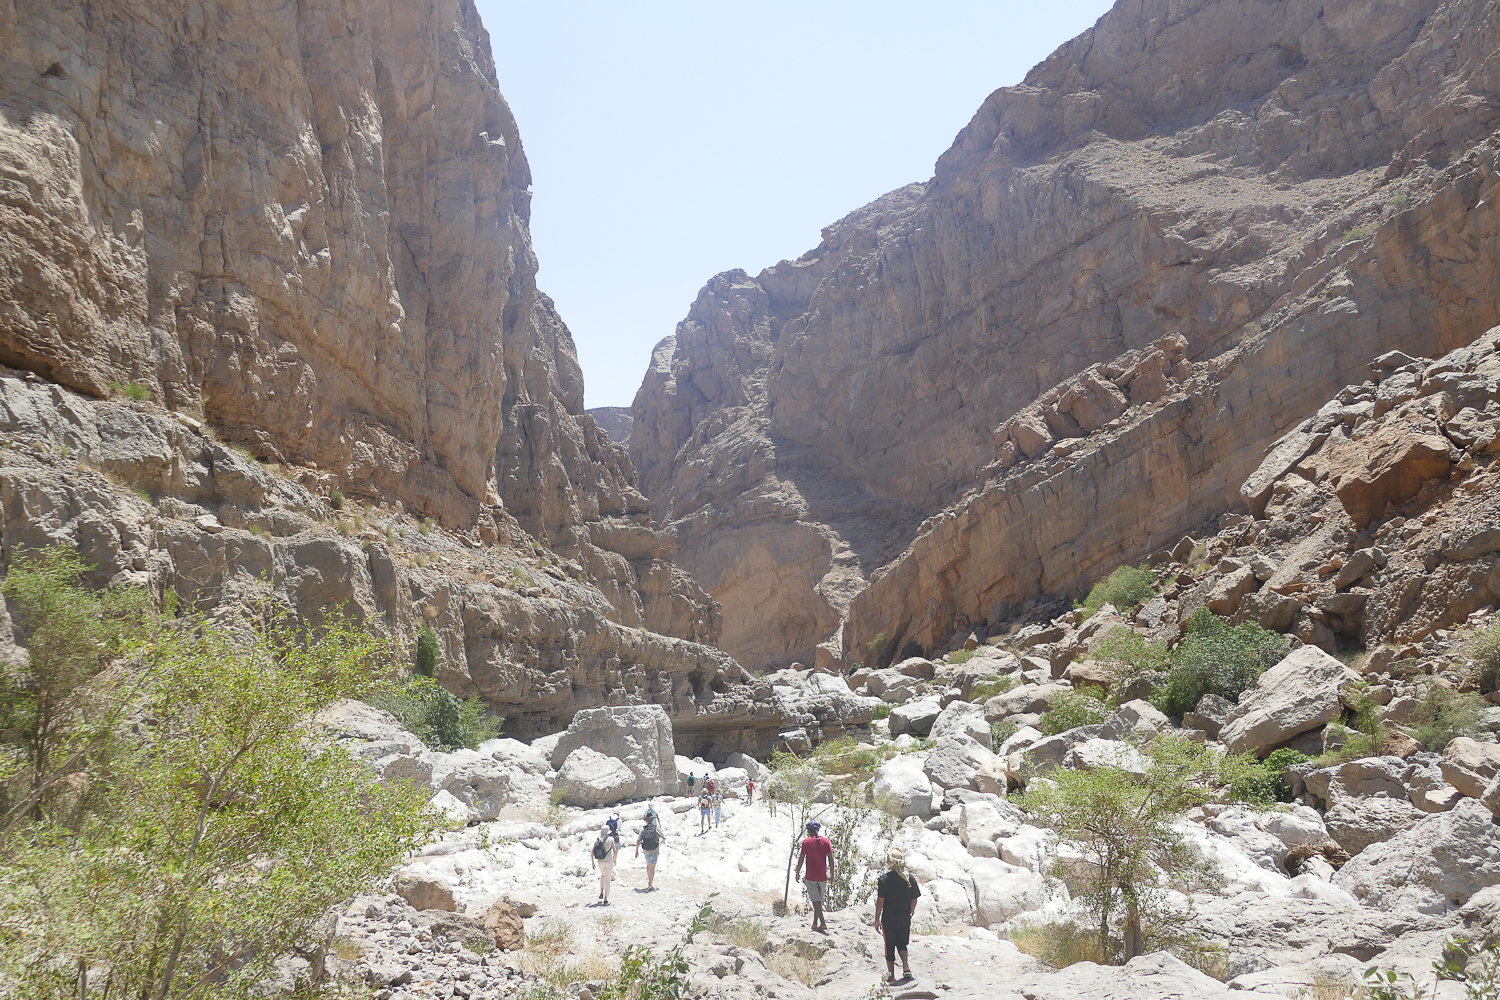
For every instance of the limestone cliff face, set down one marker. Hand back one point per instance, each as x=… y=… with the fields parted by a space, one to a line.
x=1293 y=172
x=307 y=225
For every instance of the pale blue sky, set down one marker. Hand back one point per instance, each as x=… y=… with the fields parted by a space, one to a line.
x=670 y=140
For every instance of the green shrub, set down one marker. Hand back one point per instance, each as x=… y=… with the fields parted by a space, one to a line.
x=436 y=717
x=910 y=649
x=985 y=690
x=961 y=655
x=1000 y=732
x=428 y=652
x=1133 y=655
x=1445 y=715
x=1217 y=658
x=1126 y=587
x=876 y=648
x=882 y=711
x=1073 y=709
x=1259 y=782
x=133 y=390
x=1483 y=650
x=336 y=499
x=1360 y=232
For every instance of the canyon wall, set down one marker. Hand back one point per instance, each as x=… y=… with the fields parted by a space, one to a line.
x=298 y=234
x=1206 y=169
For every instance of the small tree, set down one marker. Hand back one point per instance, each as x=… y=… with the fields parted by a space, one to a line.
x=429 y=650
x=876 y=648
x=1126 y=587
x=1121 y=826
x=223 y=825
x=1218 y=658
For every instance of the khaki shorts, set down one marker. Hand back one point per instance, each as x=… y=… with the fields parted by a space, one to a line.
x=816 y=891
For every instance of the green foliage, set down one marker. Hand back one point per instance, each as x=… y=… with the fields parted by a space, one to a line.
x=133 y=390
x=1126 y=587
x=1445 y=715
x=985 y=690
x=336 y=499
x=881 y=711
x=1000 y=732
x=1121 y=827
x=428 y=651
x=1475 y=964
x=1259 y=782
x=1060 y=944
x=1360 y=232
x=911 y=648
x=1073 y=709
x=435 y=716
x=853 y=823
x=876 y=648
x=1133 y=655
x=48 y=708
x=427 y=525
x=1218 y=658
x=1398 y=199
x=216 y=829
x=1483 y=652
x=961 y=655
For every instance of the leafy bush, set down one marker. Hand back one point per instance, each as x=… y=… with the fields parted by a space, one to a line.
x=961 y=656
x=1126 y=587
x=1483 y=650
x=436 y=717
x=876 y=648
x=1217 y=658
x=428 y=651
x=1000 y=732
x=336 y=499
x=1060 y=944
x=881 y=711
x=1133 y=655
x=1445 y=715
x=910 y=649
x=1073 y=709
x=1260 y=782
x=133 y=390
x=985 y=690
x=217 y=830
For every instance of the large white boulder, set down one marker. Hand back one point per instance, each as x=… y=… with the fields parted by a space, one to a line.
x=1433 y=867
x=962 y=718
x=1356 y=823
x=1298 y=694
x=915 y=718
x=944 y=902
x=901 y=786
x=639 y=736
x=1469 y=765
x=589 y=778
x=981 y=823
x=956 y=762
x=1003 y=891
x=750 y=765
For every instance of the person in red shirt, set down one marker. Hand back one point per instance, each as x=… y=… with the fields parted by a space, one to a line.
x=817 y=853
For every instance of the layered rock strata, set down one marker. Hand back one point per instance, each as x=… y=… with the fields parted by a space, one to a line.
x=1307 y=178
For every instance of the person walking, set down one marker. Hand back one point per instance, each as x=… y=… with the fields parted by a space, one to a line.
x=718 y=808
x=705 y=810
x=771 y=798
x=650 y=842
x=692 y=781
x=817 y=853
x=750 y=793
x=606 y=850
x=896 y=895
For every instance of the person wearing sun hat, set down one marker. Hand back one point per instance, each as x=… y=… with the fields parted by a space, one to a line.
x=817 y=853
x=896 y=895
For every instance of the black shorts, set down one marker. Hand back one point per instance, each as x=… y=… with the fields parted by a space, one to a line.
x=896 y=936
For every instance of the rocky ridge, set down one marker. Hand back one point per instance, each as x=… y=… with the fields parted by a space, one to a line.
x=1314 y=182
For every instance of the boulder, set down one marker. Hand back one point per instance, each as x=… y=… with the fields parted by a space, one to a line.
x=1470 y=766
x=962 y=718
x=915 y=718
x=1356 y=823
x=1432 y=867
x=1027 y=698
x=1297 y=695
x=1019 y=740
x=1209 y=715
x=1225 y=597
x=1158 y=976
x=955 y=762
x=901 y=786
x=993 y=777
x=984 y=822
x=638 y=736
x=1387 y=467
x=1045 y=754
x=502 y=924
x=754 y=768
x=483 y=784
x=425 y=893
x=1135 y=720
x=1004 y=890
x=589 y=779
x=918 y=667
x=525 y=901
x=1091 y=754
x=732 y=781
x=1089 y=673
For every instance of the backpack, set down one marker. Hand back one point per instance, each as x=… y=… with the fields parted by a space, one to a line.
x=650 y=838
x=601 y=850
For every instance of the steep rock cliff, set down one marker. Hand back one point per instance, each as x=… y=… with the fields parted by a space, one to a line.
x=1191 y=169
x=302 y=230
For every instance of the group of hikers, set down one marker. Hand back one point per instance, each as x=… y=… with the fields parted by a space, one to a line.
x=711 y=801
x=896 y=891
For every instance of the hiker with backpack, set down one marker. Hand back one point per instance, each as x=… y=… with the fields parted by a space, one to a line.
x=817 y=852
x=606 y=850
x=718 y=808
x=750 y=792
x=770 y=798
x=692 y=780
x=650 y=841
x=896 y=895
x=705 y=808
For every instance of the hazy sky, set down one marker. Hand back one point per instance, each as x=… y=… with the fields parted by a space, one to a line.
x=670 y=141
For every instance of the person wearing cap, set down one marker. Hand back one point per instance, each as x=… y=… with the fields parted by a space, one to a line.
x=896 y=895
x=817 y=853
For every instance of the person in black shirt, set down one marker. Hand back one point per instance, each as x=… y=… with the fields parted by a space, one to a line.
x=896 y=894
